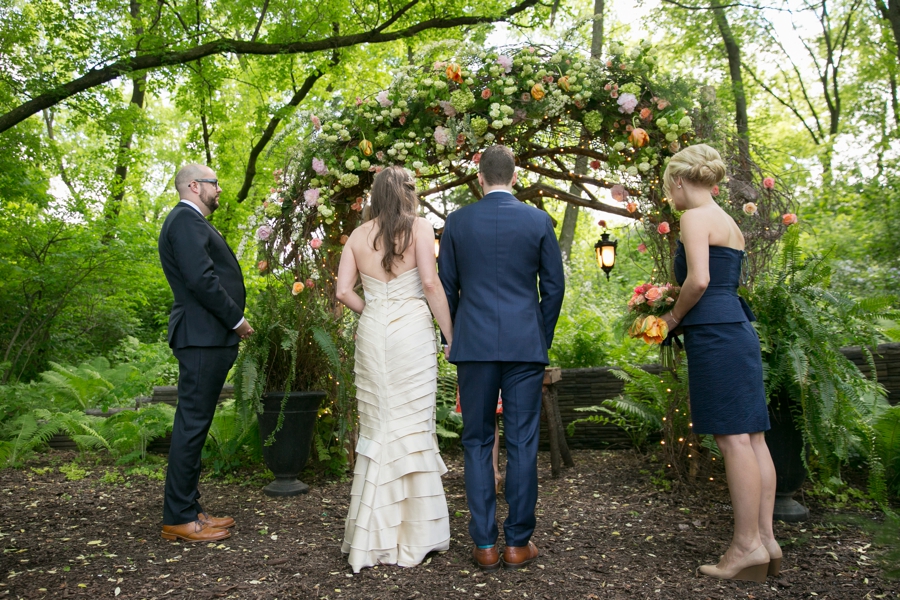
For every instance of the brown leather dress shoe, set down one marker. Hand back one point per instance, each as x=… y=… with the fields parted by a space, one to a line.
x=196 y=531
x=486 y=559
x=218 y=522
x=519 y=557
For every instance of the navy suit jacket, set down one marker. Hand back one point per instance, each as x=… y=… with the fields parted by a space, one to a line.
x=205 y=278
x=495 y=256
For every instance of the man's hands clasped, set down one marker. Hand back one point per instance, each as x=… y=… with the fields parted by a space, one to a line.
x=244 y=331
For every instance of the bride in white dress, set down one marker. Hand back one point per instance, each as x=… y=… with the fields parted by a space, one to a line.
x=398 y=511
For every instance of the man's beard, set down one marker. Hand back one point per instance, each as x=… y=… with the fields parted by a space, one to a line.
x=211 y=202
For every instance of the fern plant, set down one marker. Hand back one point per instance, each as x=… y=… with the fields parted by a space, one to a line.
x=130 y=432
x=233 y=439
x=33 y=430
x=301 y=343
x=802 y=326
x=655 y=403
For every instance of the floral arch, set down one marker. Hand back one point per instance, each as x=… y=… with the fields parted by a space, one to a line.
x=571 y=121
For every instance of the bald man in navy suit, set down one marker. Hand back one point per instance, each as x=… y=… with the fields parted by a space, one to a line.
x=205 y=327
x=501 y=269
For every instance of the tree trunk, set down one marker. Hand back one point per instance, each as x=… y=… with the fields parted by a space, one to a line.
x=570 y=218
x=733 y=51
x=891 y=14
x=138 y=91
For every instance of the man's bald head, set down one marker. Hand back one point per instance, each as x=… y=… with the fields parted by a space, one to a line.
x=189 y=173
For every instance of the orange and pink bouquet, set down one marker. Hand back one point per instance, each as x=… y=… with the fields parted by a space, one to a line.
x=650 y=301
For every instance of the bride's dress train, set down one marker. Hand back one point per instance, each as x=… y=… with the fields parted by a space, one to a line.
x=398 y=511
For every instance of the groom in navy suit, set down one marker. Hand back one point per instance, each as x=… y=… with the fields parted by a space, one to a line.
x=502 y=271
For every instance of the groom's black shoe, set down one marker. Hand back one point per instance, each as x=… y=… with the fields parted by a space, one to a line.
x=487 y=559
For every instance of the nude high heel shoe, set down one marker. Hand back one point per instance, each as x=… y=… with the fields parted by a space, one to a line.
x=774 y=550
x=754 y=567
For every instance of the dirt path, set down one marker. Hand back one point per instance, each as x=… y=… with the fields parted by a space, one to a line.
x=603 y=529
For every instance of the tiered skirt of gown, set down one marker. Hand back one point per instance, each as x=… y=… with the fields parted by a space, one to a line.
x=398 y=511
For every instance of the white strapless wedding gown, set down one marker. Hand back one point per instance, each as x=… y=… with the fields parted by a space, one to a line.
x=398 y=511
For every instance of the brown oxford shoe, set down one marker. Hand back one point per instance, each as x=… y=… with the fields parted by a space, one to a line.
x=487 y=559
x=519 y=557
x=195 y=531
x=218 y=522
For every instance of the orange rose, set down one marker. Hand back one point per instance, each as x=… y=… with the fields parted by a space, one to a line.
x=296 y=288
x=344 y=239
x=631 y=207
x=646 y=113
x=789 y=218
x=638 y=137
x=653 y=294
x=263 y=266
x=365 y=147
x=537 y=91
x=563 y=83
x=454 y=72
x=654 y=330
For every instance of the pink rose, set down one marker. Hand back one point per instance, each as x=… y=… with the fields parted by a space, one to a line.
x=310 y=284
x=319 y=167
x=789 y=218
x=595 y=164
x=607 y=87
x=506 y=62
x=442 y=135
x=618 y=192
x=627 y=103
x=749 y=208
x=715 y=190
x=653 y=294
x=402 y=119
x=316 y=122
x=359 y=101
x=448 y=108
x=486 y=93
x=311 y=197
x=642 y=248
x=601 y=223
x=526 y=97
x=663 y=228
x=379 y=155
x=631 y=207
x=383 y=99
x=768 y=183
x=315 y=243
x=264 y=232
x=646 y=113
x=662 y=104
x=476 y=158
x=614 y=94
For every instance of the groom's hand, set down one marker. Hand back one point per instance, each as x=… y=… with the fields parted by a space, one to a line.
x=447 y=352
x=244 y=331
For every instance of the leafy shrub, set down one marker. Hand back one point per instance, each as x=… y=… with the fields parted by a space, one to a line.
x=233 y=439
x=130 y=431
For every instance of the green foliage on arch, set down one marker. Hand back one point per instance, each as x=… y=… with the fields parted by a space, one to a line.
x=552 y=106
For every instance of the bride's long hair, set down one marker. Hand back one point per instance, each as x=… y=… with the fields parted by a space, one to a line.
x=394 y=207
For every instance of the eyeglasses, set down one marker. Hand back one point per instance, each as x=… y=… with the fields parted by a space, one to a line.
x=215 y=182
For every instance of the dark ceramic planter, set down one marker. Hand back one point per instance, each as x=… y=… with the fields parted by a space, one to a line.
x=785 y=441
x=288 y=454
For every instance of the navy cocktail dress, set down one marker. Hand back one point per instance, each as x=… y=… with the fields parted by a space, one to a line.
x=724 y=360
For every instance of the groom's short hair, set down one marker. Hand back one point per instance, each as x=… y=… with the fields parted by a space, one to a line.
x=497 y=165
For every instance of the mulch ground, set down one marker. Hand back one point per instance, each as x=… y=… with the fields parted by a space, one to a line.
x=604 y=530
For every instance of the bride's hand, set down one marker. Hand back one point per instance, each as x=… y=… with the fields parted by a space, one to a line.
x=447 y=351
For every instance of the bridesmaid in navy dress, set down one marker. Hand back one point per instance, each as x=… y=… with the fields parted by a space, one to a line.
x=727 y=394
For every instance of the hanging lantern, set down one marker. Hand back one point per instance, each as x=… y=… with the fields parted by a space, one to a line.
x=606 y=253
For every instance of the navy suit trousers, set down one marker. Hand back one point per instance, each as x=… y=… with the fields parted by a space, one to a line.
x=201 y=375
x=479 y=385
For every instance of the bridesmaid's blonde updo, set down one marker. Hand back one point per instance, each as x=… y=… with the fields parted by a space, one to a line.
x=700 y=164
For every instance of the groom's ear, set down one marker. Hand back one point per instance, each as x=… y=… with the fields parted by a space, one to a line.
x=480 y=179
x=514 y=179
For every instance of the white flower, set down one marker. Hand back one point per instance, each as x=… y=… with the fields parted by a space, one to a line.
x=644 y=167
x=632 y=170
x=498 y=124
x=350 y=164
x=364 y=165
x=418 y=164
